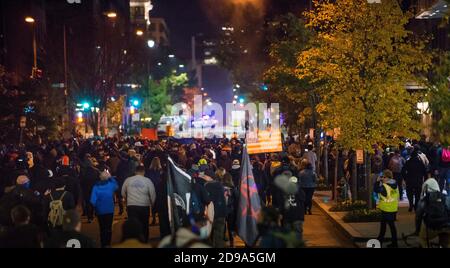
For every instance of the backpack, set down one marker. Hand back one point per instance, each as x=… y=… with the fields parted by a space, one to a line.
x=445 y=156
x=436 y=216
x=56 y=215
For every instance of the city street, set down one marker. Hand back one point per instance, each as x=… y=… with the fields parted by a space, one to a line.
x=206 y=109
x=318 y=232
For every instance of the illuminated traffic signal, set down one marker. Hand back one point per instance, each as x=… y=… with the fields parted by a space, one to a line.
x=135 y=103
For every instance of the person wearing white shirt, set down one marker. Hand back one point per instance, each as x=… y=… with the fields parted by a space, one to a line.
x=139 y=194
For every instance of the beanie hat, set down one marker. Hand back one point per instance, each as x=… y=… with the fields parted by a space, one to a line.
x=430 y=185
x=202 y=162
x=65 y=160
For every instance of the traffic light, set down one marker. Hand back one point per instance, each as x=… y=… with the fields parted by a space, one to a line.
x=135 y=102
x=132 y=110
x=86 y=105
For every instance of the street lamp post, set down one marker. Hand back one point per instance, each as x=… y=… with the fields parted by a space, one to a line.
x=32 y=21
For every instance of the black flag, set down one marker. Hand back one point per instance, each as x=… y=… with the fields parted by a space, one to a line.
x=249 y=203
x=178 y=195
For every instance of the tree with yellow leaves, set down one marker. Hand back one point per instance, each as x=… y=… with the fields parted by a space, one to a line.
x=363 y=57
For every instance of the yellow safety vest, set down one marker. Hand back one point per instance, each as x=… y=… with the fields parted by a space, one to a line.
x=389 y=203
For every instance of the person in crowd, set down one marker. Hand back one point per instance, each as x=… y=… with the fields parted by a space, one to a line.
x=44 y=184
x=132 y=235
x=57 y=201
x=231 y=200
x=193 y=234
x=422 y=156
x=36 y=170
x=89 y=175
x=396 y=164
x=216 y=193
x=125 y=169
x=272 y=234
x=443 y=167
x=414 y=172
x=236 y=172
x=139 y=193
x=311 y=156
x=70 y=177
x=308 y=182
x=102 y=199
x=260 y=179
x=292 y=207
x=23 y=234
x=21 y=194
x=377 y=160
x=432 y=215
x=388 y=195
x=70 y=236
x=113 y=162
x=155 y=173
x=285 y=168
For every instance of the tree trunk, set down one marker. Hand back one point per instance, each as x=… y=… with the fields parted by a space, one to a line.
x=336 y=169
x=325 y=163
x=354 y=177
x=368 y=179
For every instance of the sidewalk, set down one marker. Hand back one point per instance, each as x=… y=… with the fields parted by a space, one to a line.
x=360 y=233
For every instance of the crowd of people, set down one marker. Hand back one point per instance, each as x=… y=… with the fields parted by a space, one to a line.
x=425 y=171
x=45 y=187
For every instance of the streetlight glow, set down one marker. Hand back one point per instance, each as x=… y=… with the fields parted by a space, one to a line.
x=151 y=43
x=171 y=56
x=29 y=20
x=139 y=32
x=111 y=15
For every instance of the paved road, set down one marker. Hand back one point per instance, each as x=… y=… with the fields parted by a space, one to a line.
x=318 y=232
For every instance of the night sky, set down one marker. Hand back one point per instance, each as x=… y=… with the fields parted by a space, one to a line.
x=184 y=18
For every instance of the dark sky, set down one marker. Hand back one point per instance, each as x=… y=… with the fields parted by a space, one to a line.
x=187 y=17
x=184 y=18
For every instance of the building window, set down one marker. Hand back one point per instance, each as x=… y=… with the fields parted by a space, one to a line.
x=137 y=13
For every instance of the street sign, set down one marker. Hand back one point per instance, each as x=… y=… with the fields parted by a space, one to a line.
x=58 y=85
x=359 y=156
x=23 y=121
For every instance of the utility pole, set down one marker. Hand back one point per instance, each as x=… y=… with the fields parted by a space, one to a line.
x=67 y=117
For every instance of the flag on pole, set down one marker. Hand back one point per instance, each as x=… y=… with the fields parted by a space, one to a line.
x=249 y=203
x=179 y=189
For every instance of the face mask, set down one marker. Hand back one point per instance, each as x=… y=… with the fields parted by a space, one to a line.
x=204 y=232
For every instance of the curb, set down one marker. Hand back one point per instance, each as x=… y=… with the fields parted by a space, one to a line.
x=345 y=231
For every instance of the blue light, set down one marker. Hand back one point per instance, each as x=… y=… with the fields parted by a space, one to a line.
x=135 y=102
x=86 y=105
x=241 y=100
